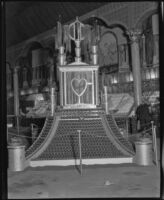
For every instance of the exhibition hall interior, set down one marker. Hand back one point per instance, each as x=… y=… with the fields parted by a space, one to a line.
x=83 y=94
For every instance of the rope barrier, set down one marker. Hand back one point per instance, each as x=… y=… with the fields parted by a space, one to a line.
x=91 y=134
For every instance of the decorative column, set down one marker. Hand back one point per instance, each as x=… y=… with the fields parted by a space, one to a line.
x=143 y=52
x=25 y=83
x=34 y=76
x=155 y=28
x=16 y=92
x=134 y=37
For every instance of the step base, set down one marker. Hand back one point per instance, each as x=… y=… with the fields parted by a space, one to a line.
x=101 y=161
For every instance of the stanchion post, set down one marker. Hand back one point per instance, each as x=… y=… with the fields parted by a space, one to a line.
x=32 y=132
x=106 y=99
x=155 y=145
x=152 y=125
x=79 y=131
x=127 y=127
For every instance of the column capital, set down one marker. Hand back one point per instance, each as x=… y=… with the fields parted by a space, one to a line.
x=134 y=34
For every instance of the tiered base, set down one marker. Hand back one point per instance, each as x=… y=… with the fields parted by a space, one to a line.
x=101 y=140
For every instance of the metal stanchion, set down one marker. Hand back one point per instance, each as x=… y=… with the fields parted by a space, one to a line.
x=154 y=138
x=152 y=126
x=80 y=154
x=34 y=131
x=155 y=146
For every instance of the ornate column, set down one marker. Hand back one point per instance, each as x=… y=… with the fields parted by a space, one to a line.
x=134 y=37
x=16 y=91
x=143 y=52
x=51 y=74
x=34 y=76
x=25 y=83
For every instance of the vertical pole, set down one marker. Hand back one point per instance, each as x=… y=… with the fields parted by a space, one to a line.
x=52 y=100
x=33 y=133
x=97 y=88
x=155 y=145
x=144 y=51
x=61 y=88
x=127 y=127
x=51 y=74
x=80 y=154
x=7 y=134
x=25 y=84
x=16 y=92
x=106 y=99
x=18 y=125
x=152 y=126
x=16 y=96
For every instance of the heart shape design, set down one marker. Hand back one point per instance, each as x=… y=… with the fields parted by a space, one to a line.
x=79 y=86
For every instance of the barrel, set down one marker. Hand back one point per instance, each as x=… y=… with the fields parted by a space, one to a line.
x=144 y=153
x=16 y=156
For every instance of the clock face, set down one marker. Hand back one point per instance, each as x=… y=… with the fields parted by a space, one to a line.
x=108 y=54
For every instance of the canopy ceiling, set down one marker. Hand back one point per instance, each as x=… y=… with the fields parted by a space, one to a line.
x=26 y=19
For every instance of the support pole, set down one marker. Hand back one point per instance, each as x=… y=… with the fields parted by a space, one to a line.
x=152 y=127
x=16 y=96
x=144 y=51
x=155 y=146
x=106 y=99
x=53 y=103
x=80 y=153
x=51 y=70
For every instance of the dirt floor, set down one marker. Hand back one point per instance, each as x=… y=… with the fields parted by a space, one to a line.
x=125 y=180
x=121 y=180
